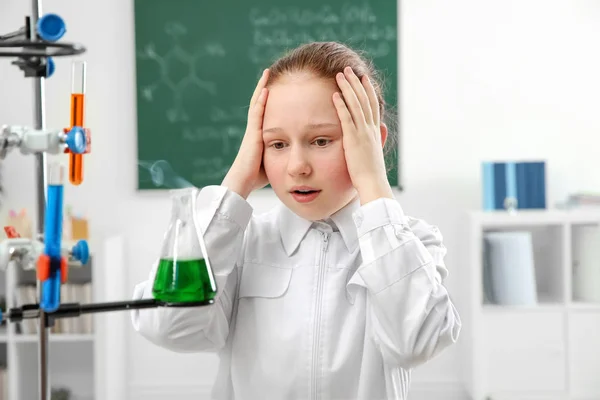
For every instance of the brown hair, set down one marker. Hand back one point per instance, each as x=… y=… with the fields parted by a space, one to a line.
x=325 y=60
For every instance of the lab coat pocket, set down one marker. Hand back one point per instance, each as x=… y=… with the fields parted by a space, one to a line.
x=261 y=280
x=266 y=313
x=265 y=303
x=269 y=330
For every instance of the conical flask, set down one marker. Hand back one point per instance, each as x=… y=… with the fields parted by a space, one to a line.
x=184 y=276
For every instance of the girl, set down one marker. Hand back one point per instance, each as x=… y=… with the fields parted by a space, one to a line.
x=336 y=294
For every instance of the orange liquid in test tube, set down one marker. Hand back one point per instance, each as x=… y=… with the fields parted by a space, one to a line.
x=77 y=112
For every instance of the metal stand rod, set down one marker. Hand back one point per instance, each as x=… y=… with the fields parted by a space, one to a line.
x=40 y=186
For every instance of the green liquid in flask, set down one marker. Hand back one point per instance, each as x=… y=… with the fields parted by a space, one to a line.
x=183 y=281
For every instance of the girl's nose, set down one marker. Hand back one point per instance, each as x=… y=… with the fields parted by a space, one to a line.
x=298 y=163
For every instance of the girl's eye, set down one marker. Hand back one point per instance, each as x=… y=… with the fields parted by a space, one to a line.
x=278 y=145
x=322 y=142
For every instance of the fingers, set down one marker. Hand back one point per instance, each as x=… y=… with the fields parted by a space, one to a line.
x=373 y=101
x=351 y=100
x=361 y=95
x=343 y=113
x=259 y=86
x=256 y=112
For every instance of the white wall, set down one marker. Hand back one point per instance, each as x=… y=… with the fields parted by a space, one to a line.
x=480 y=80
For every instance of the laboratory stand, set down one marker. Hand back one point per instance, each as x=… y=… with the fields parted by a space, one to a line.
x=47 y=261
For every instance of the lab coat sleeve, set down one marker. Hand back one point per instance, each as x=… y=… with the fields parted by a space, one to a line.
x=223 y=216
x=403 y=271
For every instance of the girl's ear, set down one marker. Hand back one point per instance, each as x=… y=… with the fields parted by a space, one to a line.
x=384 y=133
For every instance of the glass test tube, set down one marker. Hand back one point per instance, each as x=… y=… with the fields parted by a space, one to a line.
x=53 y=228
x=52 y=236
x=77 y=112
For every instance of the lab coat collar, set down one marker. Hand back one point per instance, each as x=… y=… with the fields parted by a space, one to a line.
x=293 y=228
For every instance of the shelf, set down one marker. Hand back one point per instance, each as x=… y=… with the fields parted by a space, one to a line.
x=71 y=358
x=583 y=306
x=548 y=343
x=56 y=338
x=492 y=219
x=491 y=308
x=542 y=307
x=534 y=269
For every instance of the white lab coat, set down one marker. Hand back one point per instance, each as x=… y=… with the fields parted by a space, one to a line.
x=307 y=311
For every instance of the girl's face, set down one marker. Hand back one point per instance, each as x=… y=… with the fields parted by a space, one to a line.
x=303 y=153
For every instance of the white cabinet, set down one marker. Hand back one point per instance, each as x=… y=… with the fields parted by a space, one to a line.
x=548 y=350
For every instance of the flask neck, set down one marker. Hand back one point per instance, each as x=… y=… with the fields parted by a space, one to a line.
x=182 y=240
x=183 y=204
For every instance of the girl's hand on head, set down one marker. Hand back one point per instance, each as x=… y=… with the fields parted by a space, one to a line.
x=247 y=173
x=358 y=112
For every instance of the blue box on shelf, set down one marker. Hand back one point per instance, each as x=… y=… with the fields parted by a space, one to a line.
x=514 y=185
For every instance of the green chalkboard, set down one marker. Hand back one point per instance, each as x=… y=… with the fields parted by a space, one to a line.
x=197 y=63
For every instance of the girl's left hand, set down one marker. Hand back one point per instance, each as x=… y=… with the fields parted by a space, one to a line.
x=358 y=111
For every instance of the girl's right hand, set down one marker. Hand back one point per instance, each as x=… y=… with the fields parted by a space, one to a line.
x=247 y=173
